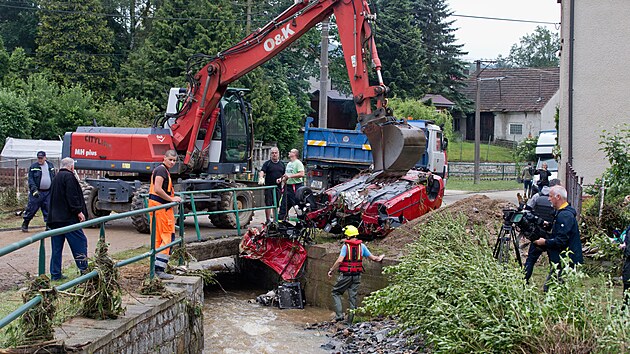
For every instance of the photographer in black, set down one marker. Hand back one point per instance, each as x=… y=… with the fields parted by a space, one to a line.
x=565 y=235
x=540 y=205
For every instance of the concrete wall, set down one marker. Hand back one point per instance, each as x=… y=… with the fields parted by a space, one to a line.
x=315 y=282
x=601 y=84
x=150 y=325
x=318 y=287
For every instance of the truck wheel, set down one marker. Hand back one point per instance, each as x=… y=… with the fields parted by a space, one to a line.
x=140 y=221
x=90 y=195
x=244 y=200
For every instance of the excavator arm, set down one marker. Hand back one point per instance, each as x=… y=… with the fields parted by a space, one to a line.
x=394 y=143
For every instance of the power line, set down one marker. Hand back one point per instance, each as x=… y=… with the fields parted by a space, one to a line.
x=72 y=12
x=507 y=19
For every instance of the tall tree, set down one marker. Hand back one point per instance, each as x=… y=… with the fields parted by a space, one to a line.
x=444 y=70
x=18 y=24
x=536 y=50
x=75 y=45
x=180 y=29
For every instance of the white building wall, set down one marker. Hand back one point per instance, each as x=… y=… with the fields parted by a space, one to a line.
x=530 y=122
x=601 y=81
x=548 y=112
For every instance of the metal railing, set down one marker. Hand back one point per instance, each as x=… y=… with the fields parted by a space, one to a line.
x=574 y=189
x=190 y=197
x=102 y=220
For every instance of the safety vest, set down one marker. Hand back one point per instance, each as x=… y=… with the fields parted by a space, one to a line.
x=156 y=198
x=353 y=261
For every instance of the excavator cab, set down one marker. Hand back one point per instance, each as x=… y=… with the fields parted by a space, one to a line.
x=231 y=144
x=230 y=147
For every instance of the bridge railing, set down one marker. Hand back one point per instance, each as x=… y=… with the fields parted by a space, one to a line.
x=40 y=237
x=189 y=196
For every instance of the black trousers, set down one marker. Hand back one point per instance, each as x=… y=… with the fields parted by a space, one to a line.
x=288 y=199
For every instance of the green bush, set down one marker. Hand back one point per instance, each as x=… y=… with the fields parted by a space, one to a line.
x=526 y=149
x=450 y=289
x=15 y=117
x=416 y=109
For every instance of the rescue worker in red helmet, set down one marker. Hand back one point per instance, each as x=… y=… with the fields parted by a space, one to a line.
x=350 y=263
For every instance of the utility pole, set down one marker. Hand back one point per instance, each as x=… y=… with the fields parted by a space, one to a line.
x=478 y=80
x=323 y=77
x=248 y=25
x=477 y=122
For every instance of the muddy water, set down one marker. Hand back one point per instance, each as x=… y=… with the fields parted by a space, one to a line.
x=235 y=323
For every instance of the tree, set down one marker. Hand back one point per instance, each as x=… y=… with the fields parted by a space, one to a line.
x=4 y=61
x=536 y=50
x=161 y=61
x=18 y=24
x=75 y=45
x=15 y=118
x=417 y=110
x=445 y=71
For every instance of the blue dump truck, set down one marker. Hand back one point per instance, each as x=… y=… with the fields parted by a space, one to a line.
x=333 y=156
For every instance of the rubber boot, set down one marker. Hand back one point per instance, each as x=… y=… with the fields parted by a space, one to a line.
x=25 y=225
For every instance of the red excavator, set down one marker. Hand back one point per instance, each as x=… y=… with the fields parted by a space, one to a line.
x=209 y=126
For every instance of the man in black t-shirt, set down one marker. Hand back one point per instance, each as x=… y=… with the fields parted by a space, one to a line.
x=270 y=172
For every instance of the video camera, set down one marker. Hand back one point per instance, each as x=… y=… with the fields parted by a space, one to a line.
x=530 y=225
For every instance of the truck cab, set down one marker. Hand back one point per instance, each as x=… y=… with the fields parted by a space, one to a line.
x=333 y=156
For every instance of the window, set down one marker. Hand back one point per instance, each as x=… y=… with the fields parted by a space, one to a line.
x=516 y=129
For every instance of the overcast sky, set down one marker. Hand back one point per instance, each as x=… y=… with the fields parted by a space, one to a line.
x=485 y=39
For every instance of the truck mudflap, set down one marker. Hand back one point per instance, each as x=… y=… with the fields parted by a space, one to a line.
x=284 y=255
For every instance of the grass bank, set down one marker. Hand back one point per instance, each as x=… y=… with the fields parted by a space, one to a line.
x=464 y=151
x=462 y=184
x=451 y=290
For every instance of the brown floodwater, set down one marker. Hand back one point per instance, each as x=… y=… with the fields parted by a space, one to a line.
x=235 y=323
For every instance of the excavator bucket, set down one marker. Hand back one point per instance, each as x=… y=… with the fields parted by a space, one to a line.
x=396 y=146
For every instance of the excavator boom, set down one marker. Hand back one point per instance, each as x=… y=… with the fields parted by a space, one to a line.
x=394 y=143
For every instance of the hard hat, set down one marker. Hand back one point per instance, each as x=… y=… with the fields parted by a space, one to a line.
x=350 y=231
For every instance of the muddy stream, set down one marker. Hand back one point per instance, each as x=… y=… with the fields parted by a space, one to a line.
x=235 y=323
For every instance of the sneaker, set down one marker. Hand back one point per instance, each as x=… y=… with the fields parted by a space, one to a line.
x=62 y=277
x=164 y=276
x=25 y=226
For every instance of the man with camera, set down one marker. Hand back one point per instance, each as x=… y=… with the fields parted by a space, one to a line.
x=540 y=205
x=565 y=235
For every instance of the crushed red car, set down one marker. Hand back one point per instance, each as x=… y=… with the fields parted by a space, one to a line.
x=376 y=205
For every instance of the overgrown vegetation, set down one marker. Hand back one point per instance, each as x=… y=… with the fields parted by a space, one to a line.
x=526 y=149
x=615 y=213
x=413 y=109
x=36 y=325
x=451 y=290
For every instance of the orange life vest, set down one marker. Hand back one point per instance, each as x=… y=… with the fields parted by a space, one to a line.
x=156 y=198
x=353 y=261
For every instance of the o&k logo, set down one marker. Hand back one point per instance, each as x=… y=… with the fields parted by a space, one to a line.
x=271 y=43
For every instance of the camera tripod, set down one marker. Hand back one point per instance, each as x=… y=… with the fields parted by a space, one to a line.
x=506 y=237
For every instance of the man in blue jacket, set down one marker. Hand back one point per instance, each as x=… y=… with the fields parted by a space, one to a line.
x=565 y=235
x=40 y=176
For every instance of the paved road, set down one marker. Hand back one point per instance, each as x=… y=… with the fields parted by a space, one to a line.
x=451 y=196
x=122 y=236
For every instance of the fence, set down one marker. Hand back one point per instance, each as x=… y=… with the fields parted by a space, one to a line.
x=574 y=188
x=40 y=237
x=487 y=170
x=14 y=172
